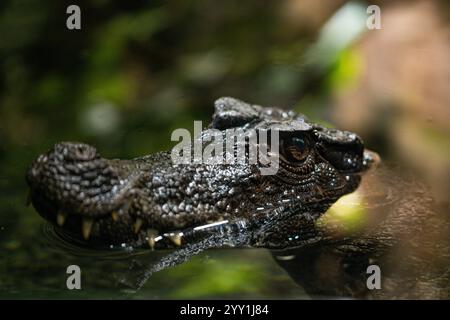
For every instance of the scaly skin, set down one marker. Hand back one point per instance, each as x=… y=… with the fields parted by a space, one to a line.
x=151 y=202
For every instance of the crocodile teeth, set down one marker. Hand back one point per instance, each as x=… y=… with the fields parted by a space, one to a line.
x=137 y=225
x=115 y=215
x=176 y=239
x=61 y=218
x=152 y=234
x=86 y=227
x=151 y=243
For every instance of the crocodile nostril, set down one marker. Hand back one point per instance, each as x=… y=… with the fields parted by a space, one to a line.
x=71 y=151
x=84 y=152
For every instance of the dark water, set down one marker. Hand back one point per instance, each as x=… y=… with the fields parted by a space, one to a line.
x=36 y=268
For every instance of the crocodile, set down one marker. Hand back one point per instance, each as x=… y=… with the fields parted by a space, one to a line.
x=152 y=202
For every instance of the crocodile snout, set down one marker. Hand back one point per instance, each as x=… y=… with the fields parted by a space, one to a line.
x=63 y=167
x=72 y=184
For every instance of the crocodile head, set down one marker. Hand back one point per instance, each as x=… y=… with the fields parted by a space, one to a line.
x=151 y=200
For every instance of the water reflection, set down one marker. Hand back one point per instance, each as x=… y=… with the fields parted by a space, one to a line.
x=392 y=223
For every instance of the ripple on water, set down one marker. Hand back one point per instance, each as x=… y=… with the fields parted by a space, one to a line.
x=64 y=242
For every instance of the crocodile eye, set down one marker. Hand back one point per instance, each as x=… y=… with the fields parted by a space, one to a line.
x=294 y=149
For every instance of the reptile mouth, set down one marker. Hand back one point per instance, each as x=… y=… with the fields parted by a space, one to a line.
x=75 y=224
x=111 y=229
x=105 y=231
x=114 y=230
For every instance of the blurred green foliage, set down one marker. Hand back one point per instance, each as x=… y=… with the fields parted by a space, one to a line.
x=158 y=64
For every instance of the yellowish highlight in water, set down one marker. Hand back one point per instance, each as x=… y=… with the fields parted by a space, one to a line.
x=348 y=212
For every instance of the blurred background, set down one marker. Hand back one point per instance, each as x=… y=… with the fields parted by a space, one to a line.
x=139 y=69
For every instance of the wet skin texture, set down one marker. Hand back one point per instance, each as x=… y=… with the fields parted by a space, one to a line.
x=150 y=202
